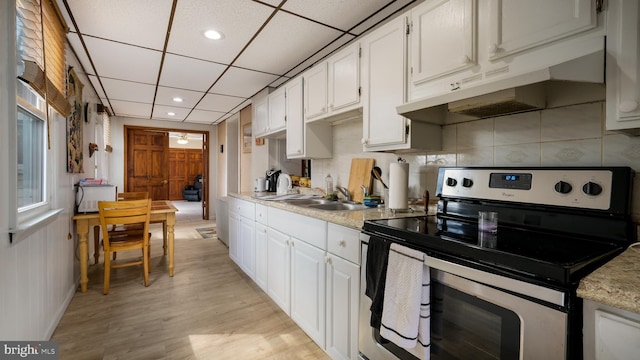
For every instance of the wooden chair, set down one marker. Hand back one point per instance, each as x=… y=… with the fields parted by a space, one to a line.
x=120 y=196
x=116 y=213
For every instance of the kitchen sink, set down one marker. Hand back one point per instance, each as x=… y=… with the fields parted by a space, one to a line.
x=338 y=206
x=305 y=202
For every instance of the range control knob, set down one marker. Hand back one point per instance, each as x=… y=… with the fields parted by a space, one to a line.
x=451 y=182
x=592 y=189
x=563 y=187
x=467 y=182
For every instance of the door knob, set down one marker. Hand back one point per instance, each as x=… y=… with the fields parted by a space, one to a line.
x=165 y=182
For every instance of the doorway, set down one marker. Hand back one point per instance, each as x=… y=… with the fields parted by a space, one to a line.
x=148 y=163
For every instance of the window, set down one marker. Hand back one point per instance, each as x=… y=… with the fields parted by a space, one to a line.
x=31 y=146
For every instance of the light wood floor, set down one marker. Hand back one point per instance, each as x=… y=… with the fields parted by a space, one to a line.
x=209 y=310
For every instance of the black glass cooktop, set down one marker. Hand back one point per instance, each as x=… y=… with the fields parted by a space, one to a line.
x=555 y=258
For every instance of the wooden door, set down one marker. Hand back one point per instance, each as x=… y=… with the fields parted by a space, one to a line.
x=148 y=162
x=177 y=173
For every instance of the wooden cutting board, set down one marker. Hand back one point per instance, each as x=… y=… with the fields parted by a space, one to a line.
x=360 y=174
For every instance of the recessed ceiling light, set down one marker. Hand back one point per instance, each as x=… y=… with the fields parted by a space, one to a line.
x=177 y=99
x=213 y=35
x=170 y=113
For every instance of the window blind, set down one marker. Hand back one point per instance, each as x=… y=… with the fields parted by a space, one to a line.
x=106 y=128
x=41 y=34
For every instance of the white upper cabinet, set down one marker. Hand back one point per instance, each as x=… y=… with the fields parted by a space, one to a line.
x=315 y=91
x=623 y=65
x=344 y=78
x=260 y=105
x=442 y=38
x=518 y=25
x=277 y=115
x=332 y=88
x=308 y=141
x=383 y=83
x=295 y=120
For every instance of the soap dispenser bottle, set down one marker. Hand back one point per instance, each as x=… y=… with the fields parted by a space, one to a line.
x=328 y=186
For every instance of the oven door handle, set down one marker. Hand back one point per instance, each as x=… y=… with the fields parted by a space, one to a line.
x=501 y=282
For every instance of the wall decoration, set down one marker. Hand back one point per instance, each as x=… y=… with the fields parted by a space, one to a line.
x=74 y=124
x=246 y=138
x=259 y=141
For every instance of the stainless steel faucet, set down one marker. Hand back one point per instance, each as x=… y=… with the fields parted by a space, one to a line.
x=364 y=190
x=344 y=192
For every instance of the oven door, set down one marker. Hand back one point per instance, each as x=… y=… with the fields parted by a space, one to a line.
x=477 y=315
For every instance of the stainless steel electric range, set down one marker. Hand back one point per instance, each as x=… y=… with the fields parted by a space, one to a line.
x=513 y=297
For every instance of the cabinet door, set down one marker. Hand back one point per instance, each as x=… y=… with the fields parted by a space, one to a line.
x=344 y=78
x=442 y=38
x=616 y=337
x=315 y=91
x=383 y=80
x=623 y=65
x=308 y=289
x=278 y=269
x=517 y=25
x=261 y=258
x=247 y=242
x=295 y=120
x=260 y=115
x=277 y=101
x=343 y=291
x=233 y=238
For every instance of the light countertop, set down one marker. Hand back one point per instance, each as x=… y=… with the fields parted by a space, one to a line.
x=351 y=218
x=617 y=283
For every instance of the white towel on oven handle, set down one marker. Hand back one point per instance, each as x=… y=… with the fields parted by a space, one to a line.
x=406 y=304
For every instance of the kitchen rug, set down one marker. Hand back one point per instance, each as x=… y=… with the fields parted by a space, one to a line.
x=207 y=233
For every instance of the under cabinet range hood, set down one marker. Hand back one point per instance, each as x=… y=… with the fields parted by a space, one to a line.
x=510 y=94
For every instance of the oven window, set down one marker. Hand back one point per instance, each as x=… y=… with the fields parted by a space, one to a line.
x=465 y=327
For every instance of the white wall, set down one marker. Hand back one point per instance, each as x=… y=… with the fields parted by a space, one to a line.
x=39 y=274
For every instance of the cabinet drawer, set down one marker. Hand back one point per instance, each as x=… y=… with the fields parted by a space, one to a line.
x=307 y=229
x=261 y=214
x=242 y=208
x=344 y=242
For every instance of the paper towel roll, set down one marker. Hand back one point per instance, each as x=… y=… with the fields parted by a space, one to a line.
x=398 y=186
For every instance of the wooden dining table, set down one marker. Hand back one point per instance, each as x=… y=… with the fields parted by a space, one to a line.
x=161 y=211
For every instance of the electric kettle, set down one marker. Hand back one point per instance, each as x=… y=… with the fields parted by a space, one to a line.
x=284 y=184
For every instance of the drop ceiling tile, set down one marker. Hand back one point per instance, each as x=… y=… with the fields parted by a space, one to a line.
x=216 y=102
x=162 y=112
x=237 y=20
x=202 y=116
x=320 y=55
x=266 y=51
x=390 y=10
x=242 y=83
x=189 y=73
x=128 y=91
x=341 y=14
x=126 y=62
x=96 y=86
x=115 y=19
x=132 y=109
x=165 y=96
x=74 y=43
x=279 y=81
x=273 y=3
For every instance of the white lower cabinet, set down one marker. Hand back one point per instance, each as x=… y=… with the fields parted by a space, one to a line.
x=247 y=246
x=308 y=289
x=261 y=256
x=233 y=238
x=279 y=269
x=610 y=333
x=343 y=291
x=309 y=267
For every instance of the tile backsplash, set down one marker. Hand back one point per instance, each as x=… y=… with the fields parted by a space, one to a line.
x=566 y=136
